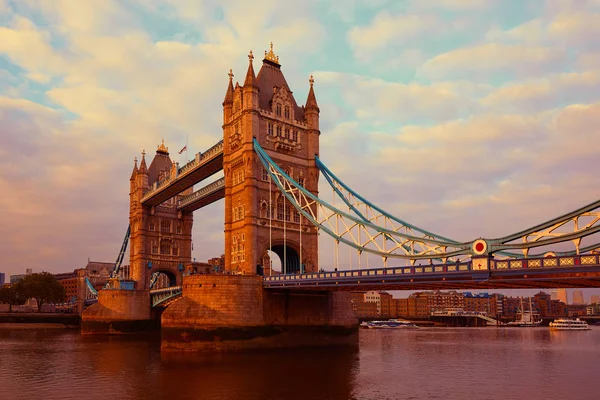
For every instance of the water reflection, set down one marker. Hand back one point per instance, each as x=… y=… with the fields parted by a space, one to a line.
x=486 y=363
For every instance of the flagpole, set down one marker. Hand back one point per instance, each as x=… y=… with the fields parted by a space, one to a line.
x=186 y=146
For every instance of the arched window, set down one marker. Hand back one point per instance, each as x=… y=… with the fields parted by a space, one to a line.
x=287 y=112
x=295 y=136
x=278 y=110
x=278 y=130
x=270 y=125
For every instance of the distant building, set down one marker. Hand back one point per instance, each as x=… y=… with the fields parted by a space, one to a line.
x=578 y=297
x=593 y=309
x=594 y=299
x=576 y=310
x=2 y=278
x=16 y=278
x=559 y=294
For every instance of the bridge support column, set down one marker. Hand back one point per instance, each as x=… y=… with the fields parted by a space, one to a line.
x=235 y=312
x=118 y=312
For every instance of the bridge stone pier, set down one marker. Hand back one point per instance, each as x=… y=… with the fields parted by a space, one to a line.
x=225 y=313
x=234 y=310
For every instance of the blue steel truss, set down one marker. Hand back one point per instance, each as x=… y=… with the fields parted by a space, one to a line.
x=364 y=232
x=356 y=231
x=162 y=296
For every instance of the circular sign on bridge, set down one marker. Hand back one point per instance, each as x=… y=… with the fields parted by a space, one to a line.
x=479 y=247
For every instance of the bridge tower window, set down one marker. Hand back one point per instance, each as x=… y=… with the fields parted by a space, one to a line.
x=165 y=248
x=165 y=226
x=264 y=175
x=278 y=130
x=280 y=209
x=287 y=133
x=178 y=230
x=154 y=248
x=278 y=110
x=287 y=112
x=270 y=129
x=151 y=226
x=295 y=136
x=175 y=251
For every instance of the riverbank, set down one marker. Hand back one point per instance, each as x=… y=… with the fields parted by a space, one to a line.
x=38 y=320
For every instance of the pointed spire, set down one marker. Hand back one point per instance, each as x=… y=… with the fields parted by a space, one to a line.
x=143 y=167
x=311 y=101
x=229 y=93
x=250 y=77
x=135 y=169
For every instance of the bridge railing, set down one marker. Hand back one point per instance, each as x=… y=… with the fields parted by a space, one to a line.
x=199 y=160
x=159 y=296
x=208 y=189
x=529 y=263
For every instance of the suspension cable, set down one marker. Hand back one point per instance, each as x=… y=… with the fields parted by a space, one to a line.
x=284 y=237
x=300 y=216
x=270 y=225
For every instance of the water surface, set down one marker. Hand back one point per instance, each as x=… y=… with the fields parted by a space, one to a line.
x=429 y=363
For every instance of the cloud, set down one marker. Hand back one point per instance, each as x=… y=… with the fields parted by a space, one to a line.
x=540 y=94
x=379 y=100
x=486 y=61
x=384 y=29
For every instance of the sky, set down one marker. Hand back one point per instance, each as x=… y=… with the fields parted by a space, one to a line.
x=468 y=118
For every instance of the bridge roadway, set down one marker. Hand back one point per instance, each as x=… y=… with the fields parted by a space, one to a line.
x=201 y=167
x=203 y=197
x=531 y=273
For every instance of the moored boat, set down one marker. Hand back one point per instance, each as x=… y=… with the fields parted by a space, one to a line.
x=527 y=319
x=389 y=324
x=564 y=324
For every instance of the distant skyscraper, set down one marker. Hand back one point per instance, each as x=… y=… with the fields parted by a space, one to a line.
x=562 y=295
x=595 y=299
x=2 y=278
x=578 y=297
x=554 y=295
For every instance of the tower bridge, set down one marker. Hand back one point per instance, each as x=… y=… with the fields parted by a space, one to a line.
x=270 y=160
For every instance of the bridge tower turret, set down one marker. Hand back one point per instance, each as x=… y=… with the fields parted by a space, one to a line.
x=257 y=216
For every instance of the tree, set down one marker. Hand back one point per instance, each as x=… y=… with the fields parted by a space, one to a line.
x=44 y=288
x=12 y=295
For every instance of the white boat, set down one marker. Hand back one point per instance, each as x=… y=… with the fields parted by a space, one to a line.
x=527 y=319
x=389 y=324
x=564 y=324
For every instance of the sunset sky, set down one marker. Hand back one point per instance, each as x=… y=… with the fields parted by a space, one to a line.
x=469 y=118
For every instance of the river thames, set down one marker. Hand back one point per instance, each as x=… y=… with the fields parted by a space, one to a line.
x=428 y=363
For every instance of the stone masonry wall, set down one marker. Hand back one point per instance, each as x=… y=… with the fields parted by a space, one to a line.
x=217 y=301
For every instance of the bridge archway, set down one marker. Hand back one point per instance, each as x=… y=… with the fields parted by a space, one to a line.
x=163 y=278
x=284 y=258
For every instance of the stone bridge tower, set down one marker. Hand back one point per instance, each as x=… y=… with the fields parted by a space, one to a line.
x=257 y=217
x=161 y=237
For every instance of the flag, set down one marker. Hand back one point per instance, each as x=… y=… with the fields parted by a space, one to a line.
x=184 y=149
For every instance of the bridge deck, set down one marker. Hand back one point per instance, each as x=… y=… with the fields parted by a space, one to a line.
x=556 y=272
x=203 y=197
